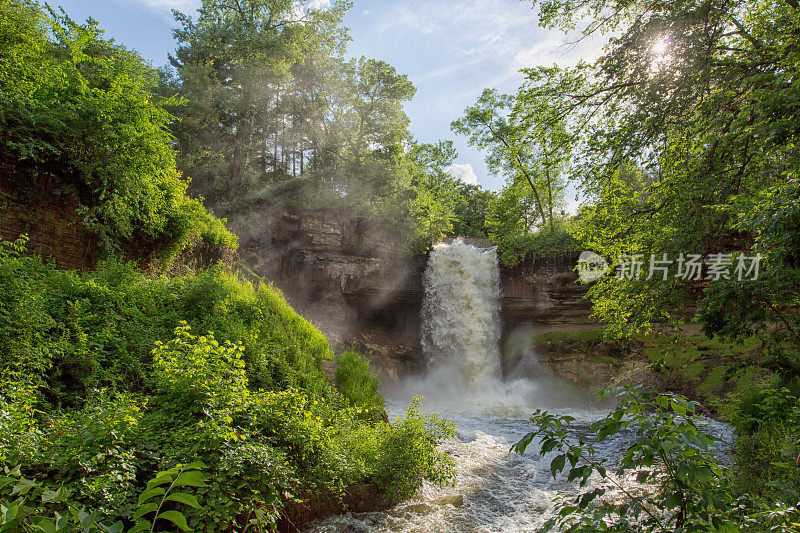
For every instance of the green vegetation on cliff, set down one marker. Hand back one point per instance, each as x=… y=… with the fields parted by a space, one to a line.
x=78 y=116
x=108 y=378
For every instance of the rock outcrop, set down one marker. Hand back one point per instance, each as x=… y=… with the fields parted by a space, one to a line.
x=352 y=277
x=544 y=290
x=349 y=275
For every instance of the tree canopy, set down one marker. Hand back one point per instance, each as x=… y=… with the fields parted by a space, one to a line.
x=78 y=113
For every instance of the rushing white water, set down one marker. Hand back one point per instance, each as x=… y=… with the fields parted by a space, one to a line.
x=495 y=490
x=460 y=314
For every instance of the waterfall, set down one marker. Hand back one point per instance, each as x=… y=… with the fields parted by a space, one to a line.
x=460 y=313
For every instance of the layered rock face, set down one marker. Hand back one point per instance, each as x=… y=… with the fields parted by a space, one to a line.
x=352 y=277
x=544 y=290
x=349 y=275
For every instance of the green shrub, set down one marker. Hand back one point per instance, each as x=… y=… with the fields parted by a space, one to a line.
x=79 y=116
x=513 y=248
x=766 y=417
x=357 y=385
x=29 y=505
x=408 y=453
x=197 y=372
x=104 y=384
x=690 y=488
x=94 y=450
x=77 y=333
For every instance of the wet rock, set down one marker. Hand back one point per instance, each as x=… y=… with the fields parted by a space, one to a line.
x=455 y=501
x=352 y=278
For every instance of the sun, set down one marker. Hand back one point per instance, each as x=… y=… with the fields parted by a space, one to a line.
x=660 y=47
x=661 y=56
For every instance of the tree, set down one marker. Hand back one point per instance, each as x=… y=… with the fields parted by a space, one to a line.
x=471 y=209
x=364 y=125
x=687 y=130
x=526 y=139
x=701 y=99
x=510 y=216
x=543 y=132
x=234 y=66
x=78 y=114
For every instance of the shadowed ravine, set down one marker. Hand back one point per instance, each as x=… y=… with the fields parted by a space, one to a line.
x=494 y=490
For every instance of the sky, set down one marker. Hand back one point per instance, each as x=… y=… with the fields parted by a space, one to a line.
x=450 y=49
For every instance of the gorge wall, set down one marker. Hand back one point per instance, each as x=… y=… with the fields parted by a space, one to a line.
x=353 y=279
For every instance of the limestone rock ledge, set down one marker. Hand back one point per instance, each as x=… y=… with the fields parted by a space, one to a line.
x=352 y=277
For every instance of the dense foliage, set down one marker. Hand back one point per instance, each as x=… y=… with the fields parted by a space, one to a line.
x=667 y=445
x=78 y=116
x=110 y=377
x=275 y=114
x=358 y=385
x=684 y=140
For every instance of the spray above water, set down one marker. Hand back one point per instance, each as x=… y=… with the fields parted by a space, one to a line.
x=494 y=490
x=460 y=313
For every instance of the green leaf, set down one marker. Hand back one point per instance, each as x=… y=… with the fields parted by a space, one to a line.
x=116 y=527
x=557 y=464
x=151 y=493
x=187 y=499
x=192 y=478
x=144 y=509
x=141 y=525
x=163 y=479
x=176 y=518
x=23 y=486
x=678 y=407
x=47 y=526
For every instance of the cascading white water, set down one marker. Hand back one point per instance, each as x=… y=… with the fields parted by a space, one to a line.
x=460 y=313
x=494 y=490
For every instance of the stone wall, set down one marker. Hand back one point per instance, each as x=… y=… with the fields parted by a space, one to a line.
x=54 y=229
x=352 y=278
x=348 y=275
x=544 y=290
x=57 y=233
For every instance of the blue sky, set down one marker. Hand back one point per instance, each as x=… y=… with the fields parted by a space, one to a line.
x=450 y=49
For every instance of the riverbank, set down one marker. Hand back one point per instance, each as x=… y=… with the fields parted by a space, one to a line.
x=690 y=364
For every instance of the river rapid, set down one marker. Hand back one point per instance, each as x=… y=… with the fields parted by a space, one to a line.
x=495 y=490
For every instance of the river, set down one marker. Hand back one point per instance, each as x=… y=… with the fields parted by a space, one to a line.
x=494 y=489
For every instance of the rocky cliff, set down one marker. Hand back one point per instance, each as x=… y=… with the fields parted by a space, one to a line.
x=348 y=275
x=352 y=277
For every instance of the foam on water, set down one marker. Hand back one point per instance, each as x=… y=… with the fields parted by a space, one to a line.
x=494 y=489
x=460 y=314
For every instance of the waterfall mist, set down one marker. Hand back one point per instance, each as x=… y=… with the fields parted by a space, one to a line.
x=461 y=333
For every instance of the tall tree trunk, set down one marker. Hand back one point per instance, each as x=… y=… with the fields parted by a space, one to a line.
x=302 y=156
x=277 y=129
x=549 y=193
x=236 y=165
x=264 y=151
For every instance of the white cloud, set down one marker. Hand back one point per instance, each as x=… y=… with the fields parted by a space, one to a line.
x=180 y=5
x=463 y=172
x=319 y=4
